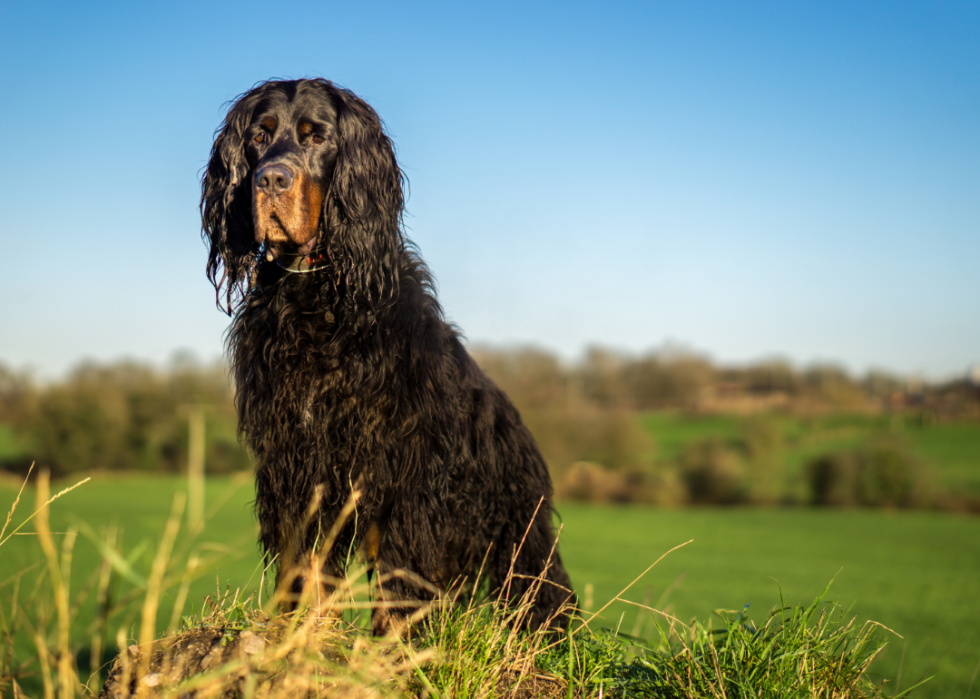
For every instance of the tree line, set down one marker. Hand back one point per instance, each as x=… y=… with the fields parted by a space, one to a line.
x=584 y=415
x=120 y=416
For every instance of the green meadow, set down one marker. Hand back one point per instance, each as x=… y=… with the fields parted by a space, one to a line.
x=917 y=573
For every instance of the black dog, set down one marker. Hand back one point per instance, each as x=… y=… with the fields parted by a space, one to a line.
x=348 y=377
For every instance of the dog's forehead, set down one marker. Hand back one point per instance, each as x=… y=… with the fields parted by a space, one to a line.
x=303 y=103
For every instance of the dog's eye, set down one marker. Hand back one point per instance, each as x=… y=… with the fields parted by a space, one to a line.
x=318 y=140
x=262 y=137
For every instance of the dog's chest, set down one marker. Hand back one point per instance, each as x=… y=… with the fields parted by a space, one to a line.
x=326 y=402
x=302 y=386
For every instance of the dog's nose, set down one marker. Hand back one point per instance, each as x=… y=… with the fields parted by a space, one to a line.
x=274 y=179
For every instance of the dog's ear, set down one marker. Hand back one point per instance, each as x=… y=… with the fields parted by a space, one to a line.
x=226 y=207
x=363 y=209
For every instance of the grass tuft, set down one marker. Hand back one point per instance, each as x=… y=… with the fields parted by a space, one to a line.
x=812 y=651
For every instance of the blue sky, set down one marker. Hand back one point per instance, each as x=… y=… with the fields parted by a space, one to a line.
x=745 y=180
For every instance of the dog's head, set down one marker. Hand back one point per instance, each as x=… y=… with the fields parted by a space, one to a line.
x=300 y=167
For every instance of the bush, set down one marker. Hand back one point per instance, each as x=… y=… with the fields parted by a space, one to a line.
x=712 y=473
x=879 y=474
x=832 y=478
x=764 y=446
x=589 y=482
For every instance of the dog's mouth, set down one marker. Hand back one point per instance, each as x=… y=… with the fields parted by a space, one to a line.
x=285 y=225
x=274 y=251
x=287 y=222
x=277 y=239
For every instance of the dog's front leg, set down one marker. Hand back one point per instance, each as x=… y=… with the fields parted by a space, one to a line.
x=305 y=577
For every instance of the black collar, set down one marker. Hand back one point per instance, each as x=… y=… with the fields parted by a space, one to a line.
x=301 y=264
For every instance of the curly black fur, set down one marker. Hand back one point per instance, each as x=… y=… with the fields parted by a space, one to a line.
x=350 y=378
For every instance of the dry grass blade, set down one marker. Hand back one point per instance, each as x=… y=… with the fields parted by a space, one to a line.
x=154 y=583
x=65 y=659
x=13 y=507
x=618 y=597
x=41 y=506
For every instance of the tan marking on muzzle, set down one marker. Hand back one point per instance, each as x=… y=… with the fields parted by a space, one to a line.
x=292 y=217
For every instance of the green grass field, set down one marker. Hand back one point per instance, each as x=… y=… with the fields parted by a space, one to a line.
x=918 y=573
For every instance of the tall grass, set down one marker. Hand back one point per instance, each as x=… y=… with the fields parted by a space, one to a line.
x=466 y=647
